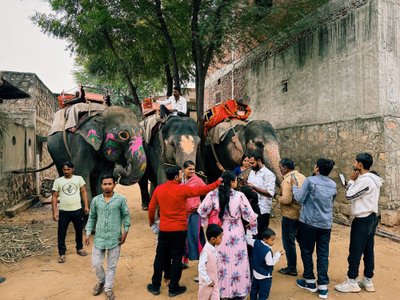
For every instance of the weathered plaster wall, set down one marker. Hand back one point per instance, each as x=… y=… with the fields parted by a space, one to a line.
x=332 y=74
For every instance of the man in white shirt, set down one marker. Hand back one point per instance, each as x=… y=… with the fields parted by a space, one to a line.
x=178 y=103
x=69 y=189
x=262 y=181
x=363 y=192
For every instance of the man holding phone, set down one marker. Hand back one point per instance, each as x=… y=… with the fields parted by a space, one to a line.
x=363 y=191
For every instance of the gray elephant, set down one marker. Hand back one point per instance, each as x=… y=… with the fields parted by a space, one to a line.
x=257 y=134
x=176 y=142
x=112 y=137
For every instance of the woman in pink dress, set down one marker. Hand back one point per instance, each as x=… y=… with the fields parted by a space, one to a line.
x=195 y=235
x=232 y=206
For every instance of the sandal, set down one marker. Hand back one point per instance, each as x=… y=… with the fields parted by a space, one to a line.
x=81 y=252
x=62 y=259
x=110 y=295
x=98 y=288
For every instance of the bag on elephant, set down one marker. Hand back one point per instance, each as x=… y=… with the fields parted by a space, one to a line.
x=229 y=109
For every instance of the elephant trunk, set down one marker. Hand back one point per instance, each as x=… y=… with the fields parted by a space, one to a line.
x=272 y=159
x=135 y=166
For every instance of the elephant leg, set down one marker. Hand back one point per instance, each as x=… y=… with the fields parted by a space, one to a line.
x=144 y=192
x=161 y=176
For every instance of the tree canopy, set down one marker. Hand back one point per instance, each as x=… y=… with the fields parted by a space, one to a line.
x=140 y=46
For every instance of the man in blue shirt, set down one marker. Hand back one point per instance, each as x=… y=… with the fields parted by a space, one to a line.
x=316 y=197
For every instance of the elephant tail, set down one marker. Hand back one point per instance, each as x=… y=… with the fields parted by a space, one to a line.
x=33 y=171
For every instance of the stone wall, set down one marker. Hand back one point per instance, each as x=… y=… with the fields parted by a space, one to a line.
x=339 y=141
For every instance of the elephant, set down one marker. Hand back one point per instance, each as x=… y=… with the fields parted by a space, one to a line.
x=257 y=134
x=109 y=138
x=174 y=143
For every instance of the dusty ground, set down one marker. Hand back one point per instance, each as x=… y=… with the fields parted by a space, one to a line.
x=43 y=278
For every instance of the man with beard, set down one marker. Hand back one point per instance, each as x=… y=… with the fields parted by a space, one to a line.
x=171 y=197
x=262 y=181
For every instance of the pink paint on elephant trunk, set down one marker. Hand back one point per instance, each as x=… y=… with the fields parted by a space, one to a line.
x=272 y=159
x=136 y=164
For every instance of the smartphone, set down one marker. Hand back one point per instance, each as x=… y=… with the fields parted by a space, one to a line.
x=342 y=179
x=295 y=179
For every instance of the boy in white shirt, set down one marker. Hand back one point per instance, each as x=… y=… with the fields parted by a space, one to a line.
x=263 y=261
x=208 y=265
x=363 y=192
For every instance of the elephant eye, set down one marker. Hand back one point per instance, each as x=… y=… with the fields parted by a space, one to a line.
x=260 y=144
x=123 y=135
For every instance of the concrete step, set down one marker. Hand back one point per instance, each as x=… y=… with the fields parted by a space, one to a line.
x=23 y=205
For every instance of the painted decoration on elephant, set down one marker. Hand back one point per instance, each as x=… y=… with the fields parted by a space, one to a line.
x=92 y=136
x=110 y=144
x=136 y=148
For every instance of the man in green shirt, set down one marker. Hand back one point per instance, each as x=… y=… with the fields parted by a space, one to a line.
x=68 y=190
x=108 y=213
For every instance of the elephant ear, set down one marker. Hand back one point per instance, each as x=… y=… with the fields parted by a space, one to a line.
x=92 y=132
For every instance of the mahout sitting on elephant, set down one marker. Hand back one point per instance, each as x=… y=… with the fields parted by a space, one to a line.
x=104 y=140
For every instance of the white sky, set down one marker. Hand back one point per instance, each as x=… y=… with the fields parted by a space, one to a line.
x=24 y=48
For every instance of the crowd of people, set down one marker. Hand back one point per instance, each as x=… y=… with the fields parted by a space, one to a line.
x=235 y=256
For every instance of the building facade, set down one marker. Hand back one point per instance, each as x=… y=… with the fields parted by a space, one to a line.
x=333 y=92
x=24 y=146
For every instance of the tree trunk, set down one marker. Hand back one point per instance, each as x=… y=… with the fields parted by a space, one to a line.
x=170 y=80
x=169 y=42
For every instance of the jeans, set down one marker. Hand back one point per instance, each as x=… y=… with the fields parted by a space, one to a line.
x=309 y=237
x=112 y=260
x=290 y=229
x=362 y=235
x=170 y=249
x=65 y=217
x=260 y=289
x=262 y=224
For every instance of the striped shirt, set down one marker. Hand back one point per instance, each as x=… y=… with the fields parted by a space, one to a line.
x=108 y=218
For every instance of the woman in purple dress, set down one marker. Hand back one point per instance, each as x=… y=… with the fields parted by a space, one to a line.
x=232 y=206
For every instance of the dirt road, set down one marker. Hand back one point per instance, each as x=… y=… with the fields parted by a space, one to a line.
x=43 y=278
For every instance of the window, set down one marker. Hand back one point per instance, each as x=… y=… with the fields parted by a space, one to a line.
x=284 y=86
x=217 y=97
x=14 y=140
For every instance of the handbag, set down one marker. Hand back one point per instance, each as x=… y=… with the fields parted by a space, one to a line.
x=213 y=217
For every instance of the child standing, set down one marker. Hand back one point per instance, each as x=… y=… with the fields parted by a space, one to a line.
x=263 y=263
x=208 y=265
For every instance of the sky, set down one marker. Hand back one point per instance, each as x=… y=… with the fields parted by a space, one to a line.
x=24 y=48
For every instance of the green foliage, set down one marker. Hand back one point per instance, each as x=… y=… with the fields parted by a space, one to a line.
x=124 y=45
x=114 y=40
